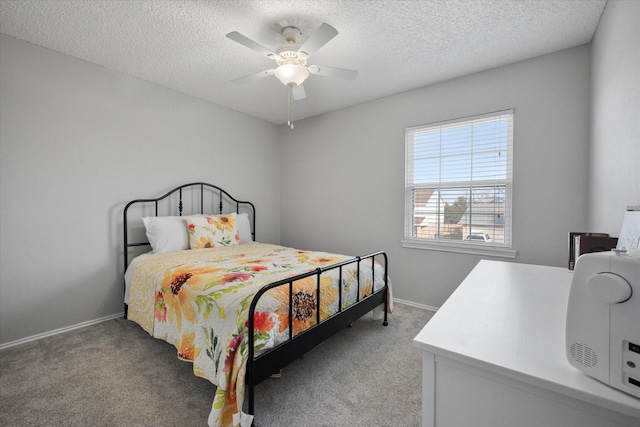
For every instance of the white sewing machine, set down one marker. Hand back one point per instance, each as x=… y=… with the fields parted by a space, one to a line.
x=603 y=319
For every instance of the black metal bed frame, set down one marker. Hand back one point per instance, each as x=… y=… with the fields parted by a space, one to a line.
x=262 y=366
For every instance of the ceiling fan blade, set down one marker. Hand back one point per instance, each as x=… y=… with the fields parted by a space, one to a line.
x=298 y=92
x=246 y=41
x=319 y=38
x=341 y=73
x=252 y=77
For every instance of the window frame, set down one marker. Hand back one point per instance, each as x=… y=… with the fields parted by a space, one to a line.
x=501 y=249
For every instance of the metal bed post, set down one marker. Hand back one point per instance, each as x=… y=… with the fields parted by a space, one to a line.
x=318 y=274
x=358 y=276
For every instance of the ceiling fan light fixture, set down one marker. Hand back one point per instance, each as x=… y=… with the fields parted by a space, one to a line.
x=292 y=74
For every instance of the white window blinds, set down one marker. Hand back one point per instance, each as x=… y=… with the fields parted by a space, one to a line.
x=458 y=180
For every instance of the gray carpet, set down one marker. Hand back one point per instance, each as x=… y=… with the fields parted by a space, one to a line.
x=115 y=374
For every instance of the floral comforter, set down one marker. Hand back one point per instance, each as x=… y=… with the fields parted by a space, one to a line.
x=198 y=300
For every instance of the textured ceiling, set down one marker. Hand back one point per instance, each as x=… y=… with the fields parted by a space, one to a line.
x=395 y=45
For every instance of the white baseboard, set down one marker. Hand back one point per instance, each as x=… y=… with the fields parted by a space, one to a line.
x=61 y=330
x=414 y=304
x=115 y=316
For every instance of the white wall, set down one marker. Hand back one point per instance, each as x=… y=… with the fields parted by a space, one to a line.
x=343 y=172
x=75 y=139
x=77 y=142
x=614 y=166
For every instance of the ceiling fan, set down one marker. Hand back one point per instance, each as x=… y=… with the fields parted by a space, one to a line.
x=292 y=69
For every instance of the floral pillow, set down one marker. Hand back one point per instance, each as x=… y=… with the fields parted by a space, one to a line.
x=212 y=231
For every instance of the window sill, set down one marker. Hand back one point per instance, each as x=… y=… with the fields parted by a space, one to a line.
x=460 y=247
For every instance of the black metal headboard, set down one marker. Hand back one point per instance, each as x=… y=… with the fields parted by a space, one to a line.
x=189 y=199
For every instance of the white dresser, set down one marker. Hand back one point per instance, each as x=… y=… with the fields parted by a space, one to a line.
x=493 y=356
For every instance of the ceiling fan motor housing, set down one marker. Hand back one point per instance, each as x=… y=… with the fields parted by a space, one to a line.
x=291 y=34
x=291 y=57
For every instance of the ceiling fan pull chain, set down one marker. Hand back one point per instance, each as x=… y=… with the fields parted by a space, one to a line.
x=290 y=105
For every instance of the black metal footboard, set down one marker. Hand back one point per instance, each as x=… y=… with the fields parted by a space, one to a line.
x=262 y=366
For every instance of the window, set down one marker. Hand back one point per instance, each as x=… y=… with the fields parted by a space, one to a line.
x=458 y=190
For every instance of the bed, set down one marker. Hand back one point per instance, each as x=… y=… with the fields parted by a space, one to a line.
x=237 y=309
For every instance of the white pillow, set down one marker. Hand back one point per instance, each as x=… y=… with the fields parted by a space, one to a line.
x=166 y=233
x=244 y=228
